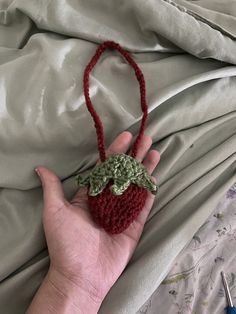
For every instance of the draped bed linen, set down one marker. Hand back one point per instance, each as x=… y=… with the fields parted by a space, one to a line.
x=187 y=52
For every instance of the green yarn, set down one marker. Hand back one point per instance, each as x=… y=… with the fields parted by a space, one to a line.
x=123 y=170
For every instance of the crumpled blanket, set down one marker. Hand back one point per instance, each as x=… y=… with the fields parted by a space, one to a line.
x=187 y=52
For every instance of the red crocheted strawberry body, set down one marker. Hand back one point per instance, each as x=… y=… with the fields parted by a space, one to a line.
x=115 y=213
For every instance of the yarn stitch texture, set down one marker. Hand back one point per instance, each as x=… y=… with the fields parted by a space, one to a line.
x=120 y=168
x=118 y=187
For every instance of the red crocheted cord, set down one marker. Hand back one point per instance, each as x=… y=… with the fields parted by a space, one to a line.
x=98 y=124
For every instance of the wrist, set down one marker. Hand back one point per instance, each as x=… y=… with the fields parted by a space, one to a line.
x=59 y=295
x=80 y=296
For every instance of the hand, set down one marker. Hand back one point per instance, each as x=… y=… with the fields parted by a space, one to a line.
x=82 y=254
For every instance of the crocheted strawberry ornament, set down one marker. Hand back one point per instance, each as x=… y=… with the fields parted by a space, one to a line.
x=118 y=186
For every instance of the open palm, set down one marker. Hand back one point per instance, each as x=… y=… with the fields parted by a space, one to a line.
x=80 y=250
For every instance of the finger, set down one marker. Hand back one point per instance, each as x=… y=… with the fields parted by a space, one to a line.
x=81 y=197
x=121 y=144
x=144 y=146
x=135 y=229
x=53 y=194
x=151 y=160
x=141 y=219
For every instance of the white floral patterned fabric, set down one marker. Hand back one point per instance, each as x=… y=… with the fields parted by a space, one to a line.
x=194 y=284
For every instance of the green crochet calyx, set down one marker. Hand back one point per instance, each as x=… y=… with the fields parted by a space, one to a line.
x=123 y=170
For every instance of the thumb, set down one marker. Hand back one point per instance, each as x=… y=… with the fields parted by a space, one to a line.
x=53 y=194
x=142 y=217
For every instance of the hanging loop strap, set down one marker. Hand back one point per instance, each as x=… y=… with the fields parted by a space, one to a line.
x=98 y=124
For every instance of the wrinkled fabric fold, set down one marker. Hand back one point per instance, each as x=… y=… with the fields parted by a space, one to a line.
x=187 y=52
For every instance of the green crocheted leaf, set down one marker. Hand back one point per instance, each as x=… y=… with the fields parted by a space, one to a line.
x=123 y=170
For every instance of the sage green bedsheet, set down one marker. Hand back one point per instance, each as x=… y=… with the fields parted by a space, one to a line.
x=187 y=51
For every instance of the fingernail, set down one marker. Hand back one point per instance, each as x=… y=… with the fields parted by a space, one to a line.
x=37 y=171
x=154 y=179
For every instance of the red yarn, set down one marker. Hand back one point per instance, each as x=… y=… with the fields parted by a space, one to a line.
x=98 y=124
x=116 y=213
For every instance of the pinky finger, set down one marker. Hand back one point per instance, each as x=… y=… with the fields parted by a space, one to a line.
x=142 y=217
x=151 y=160
x=136 y=227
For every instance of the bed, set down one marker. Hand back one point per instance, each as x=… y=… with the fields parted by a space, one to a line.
x=194 y=283
x=187 y=52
